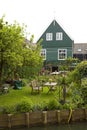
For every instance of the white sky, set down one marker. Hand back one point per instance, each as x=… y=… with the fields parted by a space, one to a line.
x=38 y=14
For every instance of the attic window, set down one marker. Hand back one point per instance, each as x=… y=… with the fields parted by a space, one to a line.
x=59 y=36
x=49 y=36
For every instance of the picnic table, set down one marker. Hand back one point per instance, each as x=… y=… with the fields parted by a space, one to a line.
x=51 y=86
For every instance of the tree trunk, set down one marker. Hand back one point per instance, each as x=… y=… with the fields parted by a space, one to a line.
x=64 y=93
x=1 y=68
x=0 y=79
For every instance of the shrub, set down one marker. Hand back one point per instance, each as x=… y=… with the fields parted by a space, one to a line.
x=67 y=106
x=24 y=106
x=84 y=94
x=8 y=109
x=25 y=82
x=52 y=104
x=37 y=107
x=44 y=105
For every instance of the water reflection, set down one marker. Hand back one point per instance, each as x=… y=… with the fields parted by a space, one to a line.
x=76 y=126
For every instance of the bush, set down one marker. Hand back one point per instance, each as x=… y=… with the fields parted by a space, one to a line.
x=8 y=109
x=67 y=106
x=52 y=104
x=37 y=107
x=25 y=82
x=24 y=106
x=84 y=94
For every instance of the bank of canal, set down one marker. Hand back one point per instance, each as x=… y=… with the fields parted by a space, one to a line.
x=73 y=126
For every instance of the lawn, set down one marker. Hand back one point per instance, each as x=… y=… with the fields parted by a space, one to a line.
x=15 y=96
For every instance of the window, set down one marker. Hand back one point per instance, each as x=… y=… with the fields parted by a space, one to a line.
x=49 y=36
x=62 y=54
x=79 y=50
x=59 y=36
x=43 y=54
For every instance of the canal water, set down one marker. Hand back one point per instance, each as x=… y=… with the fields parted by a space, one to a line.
x=74 y=126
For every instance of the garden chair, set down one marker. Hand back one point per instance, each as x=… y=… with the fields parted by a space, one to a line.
x=36 y=86
x=4 y=89
x=17 y=84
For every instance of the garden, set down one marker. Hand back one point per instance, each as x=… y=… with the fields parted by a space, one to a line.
x=20 y=58
x=70 y=93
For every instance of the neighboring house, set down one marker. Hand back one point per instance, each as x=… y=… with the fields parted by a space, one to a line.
x=80 y=51
x=56 y=46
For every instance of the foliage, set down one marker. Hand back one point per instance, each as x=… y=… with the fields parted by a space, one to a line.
x=82 y=69
x=84 y=94
x=45 y=101
x=76 y=96
x=33 y=62
x=24 y=106
x=25 y=82
x=7 y=109
x=52 y=104
x=11 y=39
x=79 y=73
x=17 y=55
x=37 y=107
x=69 y=64
x=67 y=106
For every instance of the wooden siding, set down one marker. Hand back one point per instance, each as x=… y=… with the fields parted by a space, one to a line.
x=66 y=42
x=53 y=45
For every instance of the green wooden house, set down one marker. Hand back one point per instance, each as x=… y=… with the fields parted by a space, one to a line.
x=56 y=45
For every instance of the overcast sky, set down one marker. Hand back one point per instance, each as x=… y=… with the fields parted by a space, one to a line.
x=38 y=14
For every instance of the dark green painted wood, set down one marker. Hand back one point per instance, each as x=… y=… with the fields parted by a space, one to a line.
x=53 y=46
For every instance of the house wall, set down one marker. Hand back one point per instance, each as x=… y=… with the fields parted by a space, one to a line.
x=53 y=45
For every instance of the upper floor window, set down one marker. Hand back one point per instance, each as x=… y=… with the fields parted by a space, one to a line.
x=59 y=36
x=62 y=54
x=43 y=53
x=49 y=36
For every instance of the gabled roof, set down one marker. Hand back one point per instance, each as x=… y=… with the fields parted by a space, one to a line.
x=54 y=26
x=80 y=48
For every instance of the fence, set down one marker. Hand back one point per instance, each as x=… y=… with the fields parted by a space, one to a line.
x=42 y=118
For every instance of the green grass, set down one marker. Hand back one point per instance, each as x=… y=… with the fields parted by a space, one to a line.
x=15 y=96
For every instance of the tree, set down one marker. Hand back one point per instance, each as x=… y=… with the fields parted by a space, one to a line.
x=79 y=72
x=11 y=40
x=33 y=61
x=15 y=54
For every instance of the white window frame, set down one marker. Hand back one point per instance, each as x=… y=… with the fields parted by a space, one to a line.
x=43 y=53
x=49 y=36
x=79 y=50
x=59 y=36
x=62 y=53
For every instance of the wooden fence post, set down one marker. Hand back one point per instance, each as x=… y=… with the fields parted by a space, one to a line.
x=9 y=121
x=58 y=116
x=86 y=114
x=44 y=117
x=73 y=115
x=27 y=119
